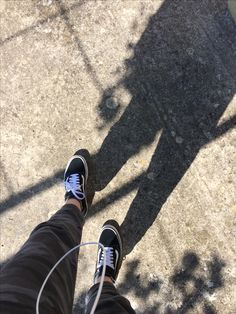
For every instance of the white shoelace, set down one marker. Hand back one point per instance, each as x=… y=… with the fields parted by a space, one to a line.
x=109 y=258
x=60 y=260
x=73 y=184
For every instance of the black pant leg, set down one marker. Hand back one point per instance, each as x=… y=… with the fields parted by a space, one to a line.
x=22 y=277
x=110 y=301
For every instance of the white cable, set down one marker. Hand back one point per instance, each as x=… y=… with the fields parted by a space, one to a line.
x=61 y=259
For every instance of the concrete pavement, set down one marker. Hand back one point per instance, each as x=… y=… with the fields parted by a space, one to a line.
x=148 y=87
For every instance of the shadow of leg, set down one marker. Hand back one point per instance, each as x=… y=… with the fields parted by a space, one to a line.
x=126 y=138
x=166 y=169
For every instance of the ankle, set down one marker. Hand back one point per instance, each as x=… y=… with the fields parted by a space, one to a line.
x=106 y=279
x=74 y=201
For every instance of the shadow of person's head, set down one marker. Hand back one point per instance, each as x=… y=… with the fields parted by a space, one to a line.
x=182 y=66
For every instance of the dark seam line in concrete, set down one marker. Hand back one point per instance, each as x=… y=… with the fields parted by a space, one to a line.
x=28 y=29
x=40 y=22
x=63 y=13
x=87 y=61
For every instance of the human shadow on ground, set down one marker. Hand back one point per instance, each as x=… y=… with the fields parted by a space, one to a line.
x=191 y=285
x=181 y=77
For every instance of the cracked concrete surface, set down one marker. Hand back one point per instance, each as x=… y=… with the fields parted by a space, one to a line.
x=148 y=87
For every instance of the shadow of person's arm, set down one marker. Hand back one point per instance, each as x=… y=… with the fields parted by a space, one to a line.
x=223 y=128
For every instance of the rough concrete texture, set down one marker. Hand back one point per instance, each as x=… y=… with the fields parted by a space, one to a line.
x=148 y=87
x=232 y=8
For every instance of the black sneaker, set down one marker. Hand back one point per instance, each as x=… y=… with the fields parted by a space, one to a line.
x=75 y=179
x=111 y=239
